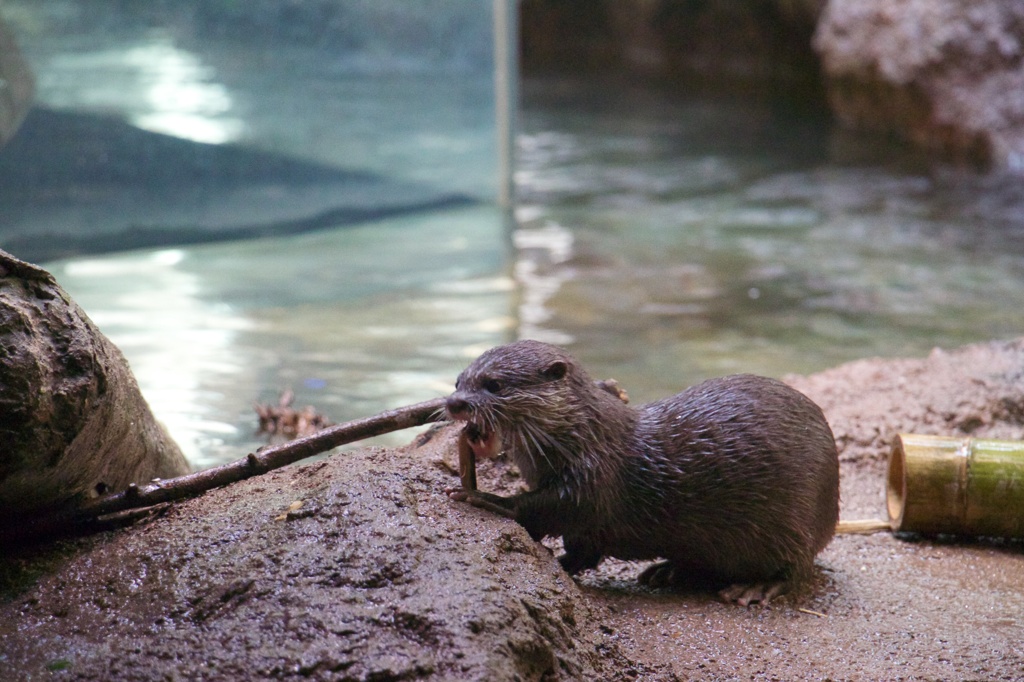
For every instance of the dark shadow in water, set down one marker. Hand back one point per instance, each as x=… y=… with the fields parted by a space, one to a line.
x=74 y=183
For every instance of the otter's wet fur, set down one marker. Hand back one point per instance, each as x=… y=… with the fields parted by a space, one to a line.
x=735 y=480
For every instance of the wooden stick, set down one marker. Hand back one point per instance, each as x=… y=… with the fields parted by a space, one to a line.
x=467 y=463
x=255 y=463
x=863 y=527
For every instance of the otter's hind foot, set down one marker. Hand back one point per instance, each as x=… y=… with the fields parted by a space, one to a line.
x=746 y=594
x=669 y=574
x=661 y=574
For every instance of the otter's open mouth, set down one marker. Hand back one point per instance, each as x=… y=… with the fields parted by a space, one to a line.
x=483 y=443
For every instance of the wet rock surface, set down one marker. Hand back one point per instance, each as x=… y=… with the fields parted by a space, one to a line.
x=946 y=75
x=975 y=391
x=376 y=575
x=352 y=568
x=73 y=423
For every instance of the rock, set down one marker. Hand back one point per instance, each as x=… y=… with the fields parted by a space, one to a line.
x=976 y=390
x=946 y=75
x=356 y=567
x=73 y=423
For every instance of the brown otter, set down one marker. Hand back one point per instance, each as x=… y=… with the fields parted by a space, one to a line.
x=733 y=481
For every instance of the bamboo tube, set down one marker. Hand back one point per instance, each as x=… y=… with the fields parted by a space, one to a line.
x=963 y=486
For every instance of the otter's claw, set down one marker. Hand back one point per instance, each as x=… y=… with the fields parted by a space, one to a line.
x=755 y=593
x=492 y=503
x=661 y=574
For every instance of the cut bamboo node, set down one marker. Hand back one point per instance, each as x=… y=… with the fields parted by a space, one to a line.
x=960 y=486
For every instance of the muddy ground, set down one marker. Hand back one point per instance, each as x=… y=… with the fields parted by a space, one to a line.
x=376 y=575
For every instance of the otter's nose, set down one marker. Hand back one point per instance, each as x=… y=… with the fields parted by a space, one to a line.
x=456 y=405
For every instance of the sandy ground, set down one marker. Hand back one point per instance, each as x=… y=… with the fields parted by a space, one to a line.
x=377 y=576
x=879 y=609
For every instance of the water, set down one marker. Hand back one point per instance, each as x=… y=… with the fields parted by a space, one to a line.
x=355 y=321
x=714 y=236
x=663 y=238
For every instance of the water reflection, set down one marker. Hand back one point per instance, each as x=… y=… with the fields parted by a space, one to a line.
x=177 y=343
x=355 y=321
x=160 y=86
x=539 y=253
x=186 y=101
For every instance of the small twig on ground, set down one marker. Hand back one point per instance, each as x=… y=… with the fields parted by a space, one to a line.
x=283 y=420
x=81 y=517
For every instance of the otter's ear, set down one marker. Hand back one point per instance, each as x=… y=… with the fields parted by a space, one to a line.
x=556 y=370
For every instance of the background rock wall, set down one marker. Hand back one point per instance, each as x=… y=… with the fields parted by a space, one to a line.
x=944 y=75
x=948 y=75
x=751 y=45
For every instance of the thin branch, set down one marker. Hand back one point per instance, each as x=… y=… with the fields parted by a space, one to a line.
x=864 y=527
x=255 y=463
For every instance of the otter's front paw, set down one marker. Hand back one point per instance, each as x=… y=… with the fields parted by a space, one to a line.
x=492 y=503
x=574 y=563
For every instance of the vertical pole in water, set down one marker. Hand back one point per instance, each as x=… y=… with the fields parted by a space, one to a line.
x=506 y=94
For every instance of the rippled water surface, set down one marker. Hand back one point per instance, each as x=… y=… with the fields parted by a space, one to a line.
x=714 y=236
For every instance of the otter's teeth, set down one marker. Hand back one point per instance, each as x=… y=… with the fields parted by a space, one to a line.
x=483 y=443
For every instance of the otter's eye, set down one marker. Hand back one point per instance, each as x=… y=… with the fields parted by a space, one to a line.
x=491 y=385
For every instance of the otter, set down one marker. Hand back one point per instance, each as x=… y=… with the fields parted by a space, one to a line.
x=734 y=482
